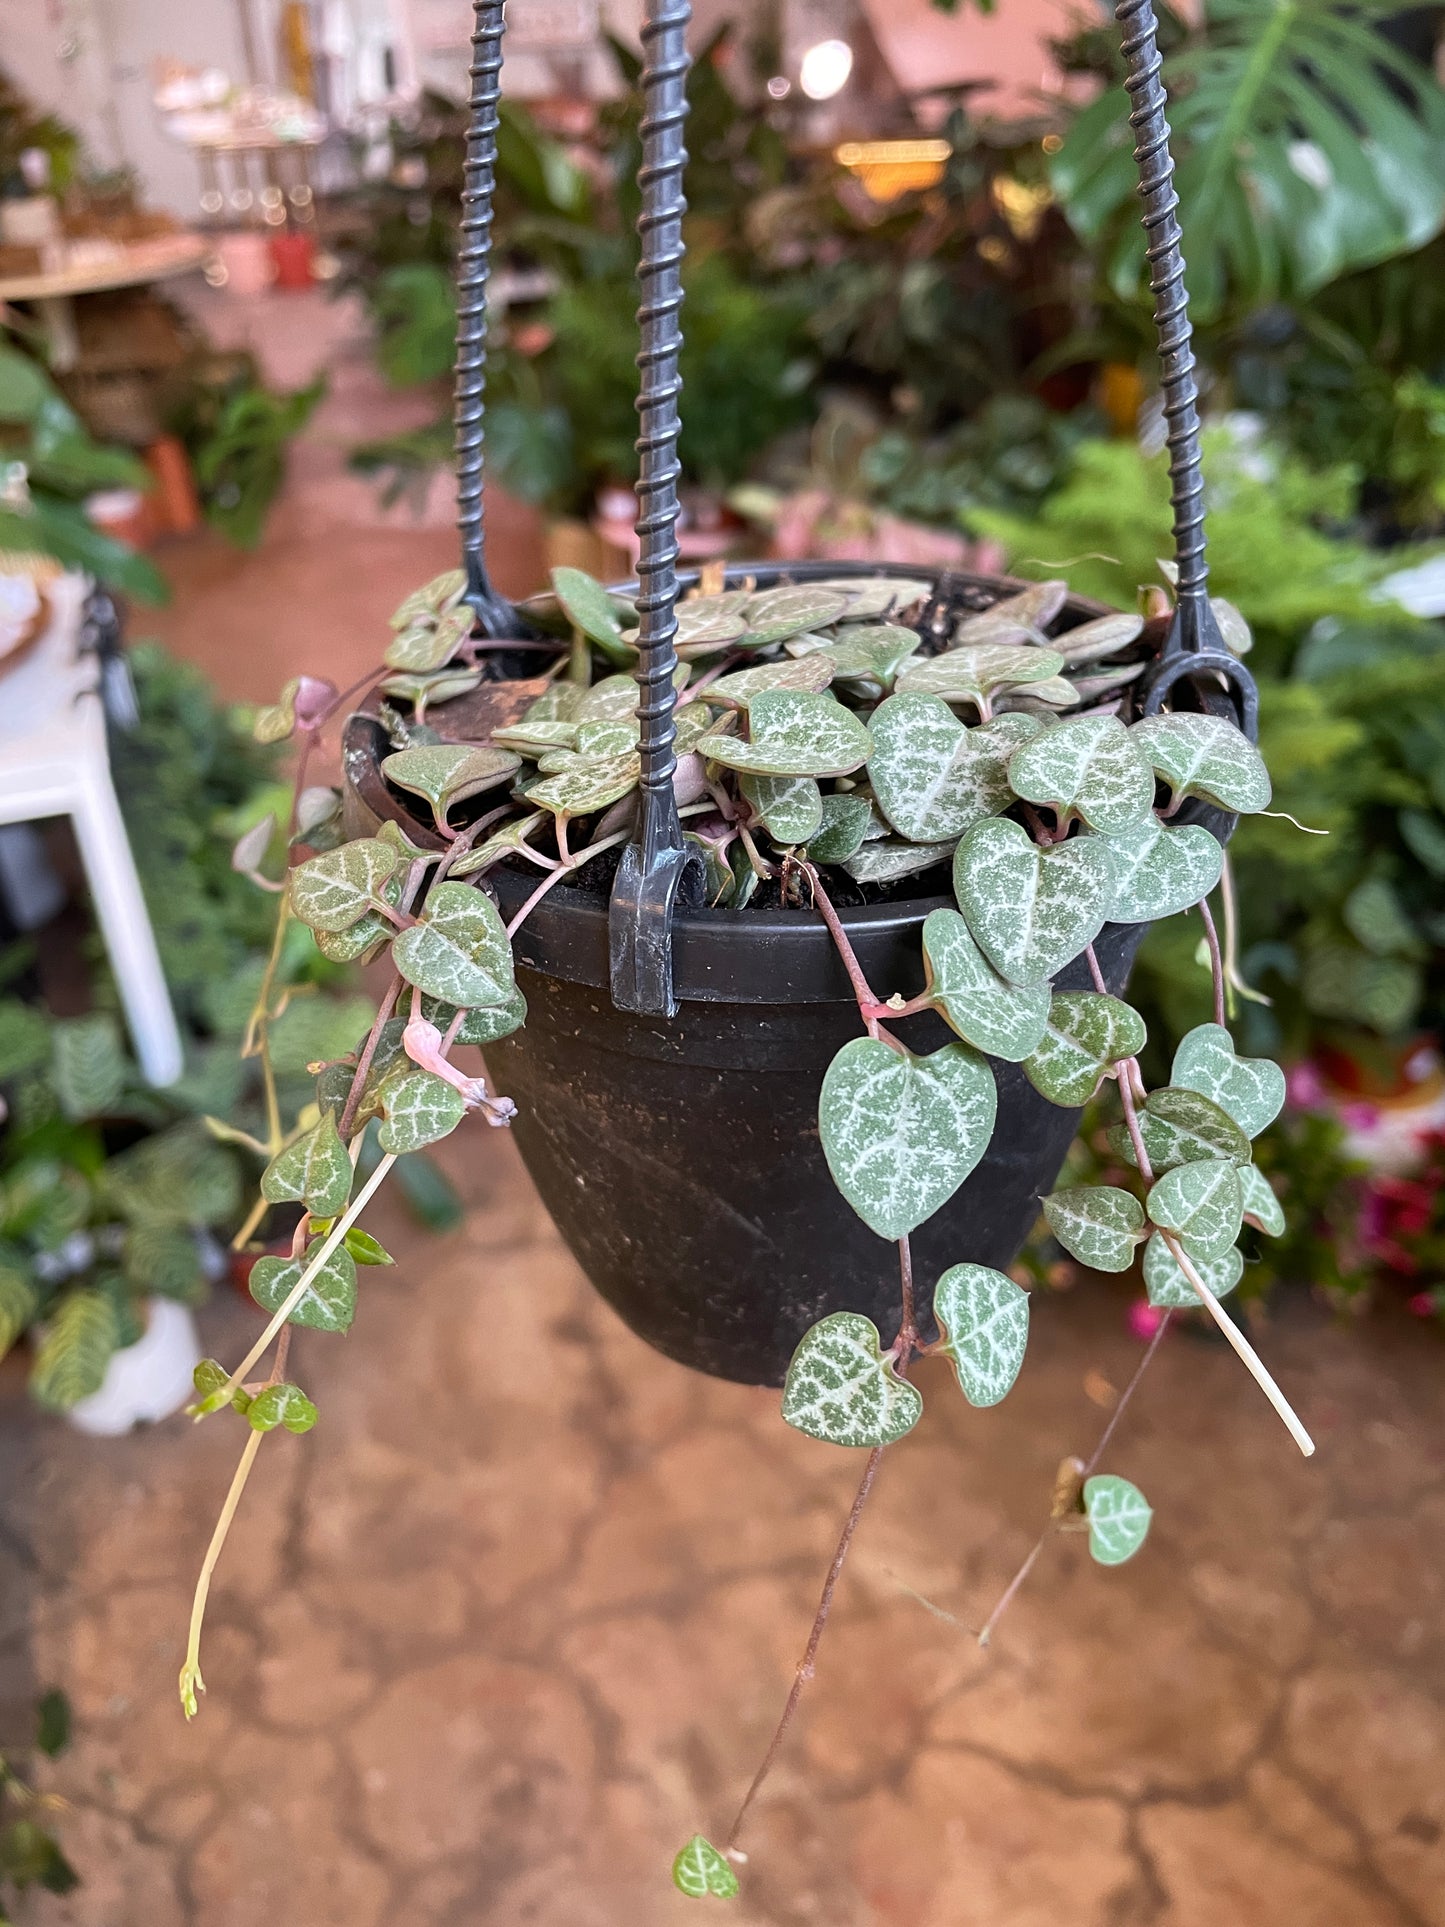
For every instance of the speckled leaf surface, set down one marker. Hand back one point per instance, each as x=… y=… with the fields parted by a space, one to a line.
x=900 y=1132
x=433 y=598
x=843 y=826
x=482 y=1026
x=965 y=675
x=813 y=671
x=448 y=773
x=1170 y=1290
x=1087 y=767
x=1098 y=1224
x=1205 y=756
x=313 y=1170
x=706 y=624
x=775 y=614
x=871 y=597
x=601 y=617
x=870 y=656
x=1181 y=1127
x=587 y=786
x=430 y=644
x=459 y=951
x=984 y=1318
x=1119 y=1516
x=333 y=891
x=790 y=806
x=328 y=1303
x=1101 y=637
x=1201 y=1202
x=1161 y=869
x=1085 y=1035
x=1261 y=1206
x=614 y=698
x=420 y=1109
x=700 y=1870
x=932 y=777
x=1031 y=910
x=1006 y=1020
x=794 y=732
x=1250 y=1089
x=840 y=1387
x=886 y=861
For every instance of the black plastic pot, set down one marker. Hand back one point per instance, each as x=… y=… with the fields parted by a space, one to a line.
x=680 y=1156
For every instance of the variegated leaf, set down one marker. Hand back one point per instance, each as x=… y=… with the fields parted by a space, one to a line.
x=870 y=656
x=1037 y=605
x=968 y=675
x=1006 y=1020
x=433 y=599
x=840 y=1387
x=793 y=732
x=1202 y=1203
x=1170 y=1290
x=1119 y=1517
x=1098 y=1224
x=614 y=698
x=700 y=1870
x=536 y=738
x=1086 y=767
x=420 y=1108
x=502 y=842
x=841 y=830
x=932 y=777
x=588 y=606
x=459 y=951
x=1181 y=1127
x=559 y=702
x=313 y=1170
x=708 y=623
x=1101 y=637
x=871 y=597
x=984 y=1318
x=482 y=1026
x=900 y=1132
x=1031 y=910
x=430 y=643
x=813 y=671
x=775 y=614
x=1085 y=1035
x=1250 y=1089
x=1205 y=756
x=448 y=773
x=1160 y=869
x=284 y=1404
x=587 y=787
x=422 y=691
x=333 y=891
x=790 y=806
x=328 y=1303
x=886 y=861
x=1261 y=1206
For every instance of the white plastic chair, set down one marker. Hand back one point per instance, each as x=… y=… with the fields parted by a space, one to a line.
x=54 y=761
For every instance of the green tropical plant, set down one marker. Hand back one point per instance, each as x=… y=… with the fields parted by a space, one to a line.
x=30 y=1855
x=236 y=431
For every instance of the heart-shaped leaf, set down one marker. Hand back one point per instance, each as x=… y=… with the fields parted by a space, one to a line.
x=1101 y=637
x=483 y=1026
x=700 y=1870
x=1085 y=1035
x=328 y=1303
x=1088 y=767
x=601 y=617
x=841 y=1388
x=790 y=806
x=885 y=862
x=333 y=1086
x=932 y=777
x=1250 y=1089
x=313 y=1170
x=448 y=773
x=775 y=614
x=842 y=827
x=535 y=738
x=1119 y=1516
x=282 y=1404
x=420 y=1109
x=333 y=891
x=1202 y=1203
x=587 y=787
x=984 y=1318
x=1097 y=1223
x=422 y=691
x=870 y=656
x=1183 y=1127
x=1261 y=1206
x=793 y=732
x=1161 y=870
x=871 y=597
x=433 y=599
x=1006 y=1020
x=1031 y=910
x=459 y=952
x=1205 y=756
x=969 y=675
x=502 y=842
x=813 y=672
x=1170 y=1290
x=430 y=643
x=1037 y=605
x=613 y=699
x=708 y=623
x=900 y=1132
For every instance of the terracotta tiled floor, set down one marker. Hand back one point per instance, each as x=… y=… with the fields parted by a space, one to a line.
x=519 y=1615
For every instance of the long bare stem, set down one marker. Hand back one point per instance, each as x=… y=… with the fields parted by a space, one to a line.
x=1216 y=962
x=823 y=904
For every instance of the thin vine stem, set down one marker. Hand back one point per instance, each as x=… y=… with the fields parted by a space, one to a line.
x=1216 y=964
x=824 y=905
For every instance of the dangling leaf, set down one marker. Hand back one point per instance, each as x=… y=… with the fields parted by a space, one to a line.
x=333 y=891
x=459 y=952
x=1205 y=756
x=790 y=806
x=1086 y=1035
x=1160 y=870
x=313 y=1170
x=1101 y=637
x=969 y=675
x=276 y=721
x=885 y=862
x=1031 y=910
x=776 y=614
x=421 y=1108
x=984 y=1318
x=76 y=1346
x=88 y=1064
x=1006 y=1020
x=932 y=777
x=281 y=1404
x=359 y=943
x=900 y=1132
x=793 y=732
x=601 y=617
x=1096 y=1223
x=1119 y=1518
x=483 y=1026
x=1261 y=1206
x=1087 y=767
x=1182 y=1127
x=840 y=1387
x=700 y=1870
x=842 y=828
x=1250 y=1089
x=448 y=773
x=328 y=1303
x=1202 y=1203
x=1170 y=1290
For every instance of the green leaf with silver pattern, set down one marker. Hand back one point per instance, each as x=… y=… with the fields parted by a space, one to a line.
x=482 y=1026
x=1205 y=756
x=1006 y=1020
x=1182 y=1127
x=448 y=773
x=700 y=1870
x=970 y=675
x=1261 y=1206
x=601 y=617
x=1031 y=911
x=841 y=830
x=459 y=952
x=841 y=1388
x=1161 y=869
x=791 y=807
x=1086 y=1034
x=420 y=1109
x=1170 y=1290
x=587 y=787
x=1201 y=1203
x=1089 y=767
x=1098 y=1224
x=869 y=657
x=333 y=891
x=793 y=732
x=932 y=777
x=813 y=672
x=885 y=862
x=775 y=614
x=1119 y=1517
x=900 y=1132
x=313 y=1170
x=1250 y=1089
x=328 y=1303
x=984 y=1318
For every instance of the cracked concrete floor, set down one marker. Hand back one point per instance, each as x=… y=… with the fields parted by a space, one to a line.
x=519 y=1615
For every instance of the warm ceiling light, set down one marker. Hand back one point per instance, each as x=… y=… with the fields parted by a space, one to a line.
x=825 y=68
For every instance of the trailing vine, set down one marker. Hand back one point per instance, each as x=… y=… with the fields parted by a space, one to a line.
x=827 y=735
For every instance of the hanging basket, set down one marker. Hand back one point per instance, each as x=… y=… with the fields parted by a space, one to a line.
x=667 y=1076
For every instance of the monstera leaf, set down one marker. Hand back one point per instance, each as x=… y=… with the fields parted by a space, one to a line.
x=1307 y=146
x=984 y=1318
x=1249 y=1089
x=1031 y=910
x=1085 y=1035
x=900 y=1132
x=932 y=777
x=1096 y=1223
x=1006 y=1020
x=1160 y=870
x=1090 y=767
x=841 y=1388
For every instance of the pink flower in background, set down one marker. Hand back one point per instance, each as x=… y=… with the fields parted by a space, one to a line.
x=1304 y=1087
x=1144 y=1319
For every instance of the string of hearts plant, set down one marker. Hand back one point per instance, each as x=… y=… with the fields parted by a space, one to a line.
x=825 y=734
